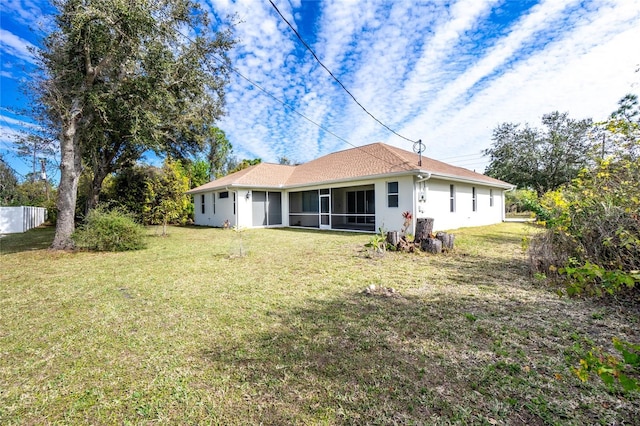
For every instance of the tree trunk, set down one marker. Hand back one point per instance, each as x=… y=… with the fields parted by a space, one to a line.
x=392 y=238
x=96 y=189
x=447 y=240
x=70 y=169
x=424 y=227
x=432 y=245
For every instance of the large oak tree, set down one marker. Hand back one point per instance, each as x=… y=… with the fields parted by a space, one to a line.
x=122 y=77
x=540 y=159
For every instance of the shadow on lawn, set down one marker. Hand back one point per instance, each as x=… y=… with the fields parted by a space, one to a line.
x=39 y=238
x=376 y=359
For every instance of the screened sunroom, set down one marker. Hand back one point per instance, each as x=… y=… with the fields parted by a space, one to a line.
x=346 y=208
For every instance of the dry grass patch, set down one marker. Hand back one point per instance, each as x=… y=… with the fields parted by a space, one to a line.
x=190 y=331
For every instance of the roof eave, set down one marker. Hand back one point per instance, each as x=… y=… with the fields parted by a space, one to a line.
x=454 y=178
x=354 y=179
x=233 y=186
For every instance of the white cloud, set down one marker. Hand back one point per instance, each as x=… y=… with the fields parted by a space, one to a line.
x=431 y=71
x=11 y=44
x=8 y=136
x=26 y=12
x=580 y=73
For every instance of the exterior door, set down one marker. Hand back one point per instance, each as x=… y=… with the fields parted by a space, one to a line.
x=325 y=209
x=259 y=208
x=274 y=208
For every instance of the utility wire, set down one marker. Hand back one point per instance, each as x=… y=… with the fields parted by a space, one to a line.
x=334 y=77
x=298 y=112
x=226 y=65
x=479 y=154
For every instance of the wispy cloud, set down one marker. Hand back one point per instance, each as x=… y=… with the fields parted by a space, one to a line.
x=445 y=73
x=26 y=12
x=11 y=44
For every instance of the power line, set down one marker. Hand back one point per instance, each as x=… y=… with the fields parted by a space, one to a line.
x=6 y=163
x=479 y=154
x=471 y=164
x=226 y=65
x=334 y=77
x=296 y=111
x=229 y=67
x=470 y=161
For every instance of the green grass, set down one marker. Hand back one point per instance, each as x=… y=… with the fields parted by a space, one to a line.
x=274 y=326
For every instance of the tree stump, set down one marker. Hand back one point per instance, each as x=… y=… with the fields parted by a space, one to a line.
x=447 y=240
x=424 y=227
x=392 y=238
x=432 y=245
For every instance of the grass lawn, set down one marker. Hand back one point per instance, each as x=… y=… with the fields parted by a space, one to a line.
x=190 y=331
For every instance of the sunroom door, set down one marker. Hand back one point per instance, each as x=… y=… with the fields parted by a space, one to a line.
x=325 y=209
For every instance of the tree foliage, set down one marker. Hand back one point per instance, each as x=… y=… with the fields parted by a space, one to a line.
x=40 y=150
x=154 y=196
x=128 y=187
x=593 y=240
x=236 y=165
x=198 y=172
x=520 y=200
x=166 y=200
x=219 y=151
x=120 y=78
x=540 y=159
x=594 y=223
x=8 y=184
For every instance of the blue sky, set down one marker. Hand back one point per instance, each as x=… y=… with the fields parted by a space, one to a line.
x=444 y=72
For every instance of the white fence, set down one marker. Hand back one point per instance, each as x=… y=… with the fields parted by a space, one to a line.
x=20 y=219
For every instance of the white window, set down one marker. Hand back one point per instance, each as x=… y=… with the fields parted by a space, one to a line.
x=214 y=202
x=491 y=198
x=392 y=194
x=202 y=203
x=452 y=198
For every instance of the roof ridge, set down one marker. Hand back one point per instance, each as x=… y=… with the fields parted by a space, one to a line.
x=366 y=161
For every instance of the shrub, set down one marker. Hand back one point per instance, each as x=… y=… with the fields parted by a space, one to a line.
x=593 y=239
x=521 y=200
x=109 y=230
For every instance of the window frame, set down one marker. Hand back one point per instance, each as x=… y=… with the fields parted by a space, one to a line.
x=391 y=195
x=452 y=198
x=474 y=199
x=202 y=203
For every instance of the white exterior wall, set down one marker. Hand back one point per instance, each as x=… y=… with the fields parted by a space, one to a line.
x=243 y=208
x=223 y=210
x=434 y=204
x=285 y=208
x=437 y=205
x=390 y=218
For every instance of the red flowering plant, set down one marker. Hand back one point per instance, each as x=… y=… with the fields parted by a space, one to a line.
x=408 y=222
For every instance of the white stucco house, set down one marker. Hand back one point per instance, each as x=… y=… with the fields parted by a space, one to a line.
x=358 y=189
